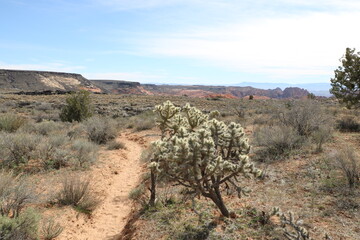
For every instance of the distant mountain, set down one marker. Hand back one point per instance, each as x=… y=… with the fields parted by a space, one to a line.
x=319 y=89
x=37 y=81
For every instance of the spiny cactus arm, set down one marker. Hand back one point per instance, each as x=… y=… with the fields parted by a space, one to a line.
x=300 y=232
x=165 y=113
x=194 y=116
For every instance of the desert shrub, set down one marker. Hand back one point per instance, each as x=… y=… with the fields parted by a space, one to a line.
x=115 y=145
x=304 y=119
x=53 y=153
x=44 y=128
x=277 y=141
x=78 y=107
x=346 y=161
x=11 y=122
x=14 y=194
x=348 y=124
x=50 y=229
x=84 y=152
x=44 y=106
x=100 y=130
x=76 y=192
x=23 y=227
x=17 y=148
x=321 y=135
x=138 y=194
x=190 y=232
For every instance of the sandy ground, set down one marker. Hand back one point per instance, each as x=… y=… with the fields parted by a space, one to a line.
x=114 y=176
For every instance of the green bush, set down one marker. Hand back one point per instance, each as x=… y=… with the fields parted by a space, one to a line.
x=23 y=227
x=11 y=122
x=78 y=107
x=100 y=130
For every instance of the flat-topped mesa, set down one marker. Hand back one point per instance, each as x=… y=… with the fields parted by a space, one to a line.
x=38 y=81
x=120 y=86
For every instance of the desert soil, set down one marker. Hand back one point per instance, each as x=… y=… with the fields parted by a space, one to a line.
x=115 y=175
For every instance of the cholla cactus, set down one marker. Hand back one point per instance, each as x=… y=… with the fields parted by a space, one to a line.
x=201 y=153
x=297 y=232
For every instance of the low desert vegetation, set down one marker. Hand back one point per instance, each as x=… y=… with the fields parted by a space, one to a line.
x=15 y=193
x=100 y=130
x=76 y=192
x=348 y=124
x=299 y=145
x=297 y=131
x=50 y=229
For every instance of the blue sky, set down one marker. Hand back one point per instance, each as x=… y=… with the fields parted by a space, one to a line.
x=180 y=41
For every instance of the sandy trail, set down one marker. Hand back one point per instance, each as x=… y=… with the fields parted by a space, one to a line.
x=116 y=174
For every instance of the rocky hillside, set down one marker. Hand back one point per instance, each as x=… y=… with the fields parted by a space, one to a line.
x=121 y=87
x=38 y=81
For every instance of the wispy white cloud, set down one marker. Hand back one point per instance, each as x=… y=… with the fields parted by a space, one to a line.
x=55 y=66
x=163 y=78
x=129 y=76
x=285 y=47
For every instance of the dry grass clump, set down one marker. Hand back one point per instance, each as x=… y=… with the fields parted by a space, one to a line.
x=100 y=130
x=50 y=229
x=349 y=164
x=76 y=192
x=11 y=122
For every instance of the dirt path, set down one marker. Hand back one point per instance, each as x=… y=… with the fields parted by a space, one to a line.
x=116 y=174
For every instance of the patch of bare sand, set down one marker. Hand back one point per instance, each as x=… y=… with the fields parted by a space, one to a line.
x=116 y=174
